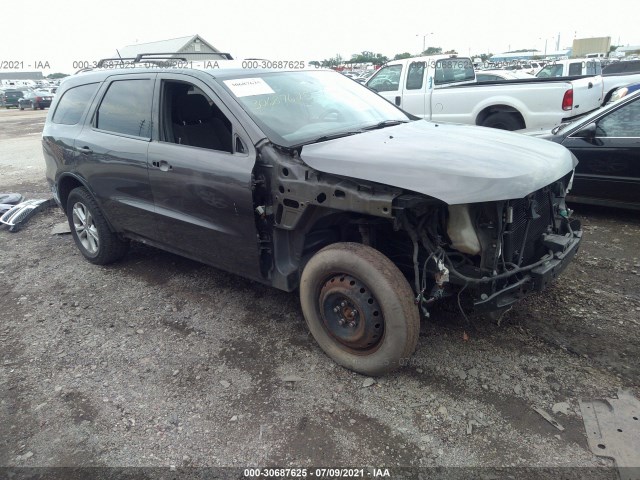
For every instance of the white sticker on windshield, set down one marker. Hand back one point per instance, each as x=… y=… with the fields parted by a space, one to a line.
x=246 y=87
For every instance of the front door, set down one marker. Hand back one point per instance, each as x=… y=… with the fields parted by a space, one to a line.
x=200 y=170
x=609 y=164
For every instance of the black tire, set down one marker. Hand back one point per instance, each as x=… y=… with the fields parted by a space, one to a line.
x=97 y=242
x=380 y=322
x=503 y=121
x=21 y=108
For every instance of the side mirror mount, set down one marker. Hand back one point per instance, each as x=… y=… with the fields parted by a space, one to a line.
x=588 y=132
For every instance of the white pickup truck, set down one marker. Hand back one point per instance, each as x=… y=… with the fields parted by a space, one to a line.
x=443 y=88
x=613 y=76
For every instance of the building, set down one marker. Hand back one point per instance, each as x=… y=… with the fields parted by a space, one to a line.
x=175 y=47
x=13 y=75
x=589 y=46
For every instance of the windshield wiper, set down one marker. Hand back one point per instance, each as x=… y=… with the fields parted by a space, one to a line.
x=385 y=123
x=332 y=136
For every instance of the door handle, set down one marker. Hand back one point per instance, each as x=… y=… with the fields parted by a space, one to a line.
x=163 y=165
x=398 y=100
x=85 y=150
x=590 y=85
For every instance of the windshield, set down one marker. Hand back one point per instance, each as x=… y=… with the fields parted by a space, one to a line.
x=296 y=108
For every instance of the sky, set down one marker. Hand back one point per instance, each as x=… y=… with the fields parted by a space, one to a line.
x=87 y=30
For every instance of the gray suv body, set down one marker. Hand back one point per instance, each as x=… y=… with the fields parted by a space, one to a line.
x=308 y=180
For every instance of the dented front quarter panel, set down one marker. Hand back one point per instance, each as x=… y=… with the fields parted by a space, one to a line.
x=453 y=163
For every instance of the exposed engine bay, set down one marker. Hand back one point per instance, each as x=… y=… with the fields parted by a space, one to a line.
x=497 y=251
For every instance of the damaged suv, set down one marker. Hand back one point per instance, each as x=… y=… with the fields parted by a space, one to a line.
x=306 y=180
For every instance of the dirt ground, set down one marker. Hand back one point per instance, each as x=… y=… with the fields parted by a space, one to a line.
x=160 y=361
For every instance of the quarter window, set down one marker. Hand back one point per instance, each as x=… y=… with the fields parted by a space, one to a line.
x=126 y=108
x=73 y=103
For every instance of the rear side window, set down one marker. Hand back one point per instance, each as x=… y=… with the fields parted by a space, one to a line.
x=575 y=68
x=415 y=76
x=454 y=70
x=126 y=108
x=73 y=103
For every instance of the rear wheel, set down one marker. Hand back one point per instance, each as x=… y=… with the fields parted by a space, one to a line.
x=90 y=230
x=359 y=308
x=503 y=121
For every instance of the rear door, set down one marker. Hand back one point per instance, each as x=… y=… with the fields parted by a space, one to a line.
x=201 y=166
x=609 y=165
x=445 y=104
x=414 y=96
x=112 y=152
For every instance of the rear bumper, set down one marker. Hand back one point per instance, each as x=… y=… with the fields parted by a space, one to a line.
x=537 y=279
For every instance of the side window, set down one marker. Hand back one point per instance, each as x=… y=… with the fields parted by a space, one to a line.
x=575 y=68
x=415 y=76
x=72 y=104
x=126 y=108
x=190 y=117
x=624 y=122
x=387 y=79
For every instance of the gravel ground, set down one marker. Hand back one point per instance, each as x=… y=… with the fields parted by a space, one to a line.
x=158 y=360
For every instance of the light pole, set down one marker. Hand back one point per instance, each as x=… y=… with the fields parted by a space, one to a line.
x=424 y=40
x=545 y=44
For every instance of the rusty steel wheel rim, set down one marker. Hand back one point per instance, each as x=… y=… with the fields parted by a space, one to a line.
x=351 y=314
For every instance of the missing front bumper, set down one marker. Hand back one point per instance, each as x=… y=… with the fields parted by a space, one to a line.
x=536 y=279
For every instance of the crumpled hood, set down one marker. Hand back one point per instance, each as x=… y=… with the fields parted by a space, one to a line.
x=453 y=163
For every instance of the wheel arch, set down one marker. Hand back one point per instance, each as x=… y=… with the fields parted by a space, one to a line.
x=500 y=108
x=66 y=183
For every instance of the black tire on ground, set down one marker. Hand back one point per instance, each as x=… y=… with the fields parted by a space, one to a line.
x=92 y=235
x=21 y=108
x=503 y=121
x=344 y=278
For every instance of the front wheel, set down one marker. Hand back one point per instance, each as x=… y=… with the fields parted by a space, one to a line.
x=359 y=308
x=90 y=230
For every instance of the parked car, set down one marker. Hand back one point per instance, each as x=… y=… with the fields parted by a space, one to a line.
x=443 y=88
x=607 y=145
x=10 y=98
x=35 y=99
x=571 y=68
x=305 y=180
x=499 y=75
x=619 y=75
x=622 y=92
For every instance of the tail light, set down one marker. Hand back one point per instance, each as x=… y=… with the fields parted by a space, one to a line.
x=567 y=100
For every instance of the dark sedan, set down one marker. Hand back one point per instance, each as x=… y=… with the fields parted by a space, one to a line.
x=607 y=145
x=10 y=98
x=35 y=100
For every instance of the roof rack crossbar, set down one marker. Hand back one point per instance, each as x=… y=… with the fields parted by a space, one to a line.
x=181 y=55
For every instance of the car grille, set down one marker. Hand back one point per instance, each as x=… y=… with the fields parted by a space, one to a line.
x=538 y=204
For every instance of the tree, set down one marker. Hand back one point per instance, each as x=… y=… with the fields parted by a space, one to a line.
x=451 y=52
x=432 y=51
x=401 y=56
x=55 y=76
